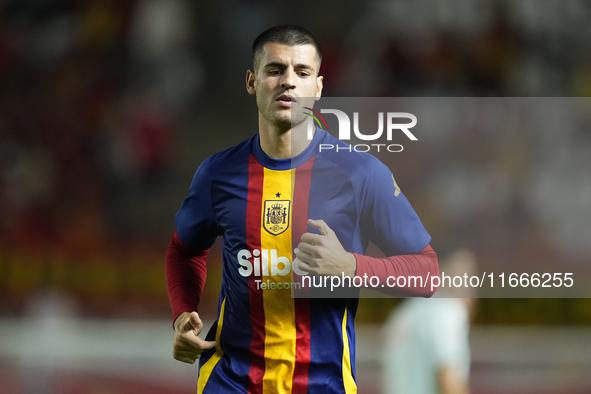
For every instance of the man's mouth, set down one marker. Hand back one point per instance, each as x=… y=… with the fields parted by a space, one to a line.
x=286 y=100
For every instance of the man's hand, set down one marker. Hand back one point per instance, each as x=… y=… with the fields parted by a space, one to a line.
x=187 y=344
x=324 y=254
x=449 y=381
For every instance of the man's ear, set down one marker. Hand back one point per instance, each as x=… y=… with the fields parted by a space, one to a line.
x=250 y=82
x=319 y=87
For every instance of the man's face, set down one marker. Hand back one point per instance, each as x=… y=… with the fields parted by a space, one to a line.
x=283 y=78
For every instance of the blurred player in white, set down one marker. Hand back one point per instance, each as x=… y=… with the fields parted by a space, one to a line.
x=426 y=340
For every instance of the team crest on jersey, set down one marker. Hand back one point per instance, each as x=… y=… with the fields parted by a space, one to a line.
x=276 y=216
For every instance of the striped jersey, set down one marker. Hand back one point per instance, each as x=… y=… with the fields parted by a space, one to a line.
x=268 y=341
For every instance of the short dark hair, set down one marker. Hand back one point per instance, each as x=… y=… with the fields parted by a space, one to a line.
x=290 y=35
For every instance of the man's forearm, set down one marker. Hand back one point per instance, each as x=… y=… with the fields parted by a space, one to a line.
x=185 y=276
x=423 y=264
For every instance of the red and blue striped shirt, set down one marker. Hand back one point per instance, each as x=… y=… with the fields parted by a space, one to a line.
x=268 y=341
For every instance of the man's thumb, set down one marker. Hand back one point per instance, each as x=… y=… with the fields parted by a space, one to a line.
x=320 y=225
x=194 y=321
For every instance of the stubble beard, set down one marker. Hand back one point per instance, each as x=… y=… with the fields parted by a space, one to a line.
x=283 y=122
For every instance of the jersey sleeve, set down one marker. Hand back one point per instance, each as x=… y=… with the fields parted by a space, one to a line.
x=186 y=271
x=423 y=264
x=450 y=336
x=387 y=218
x=196 y=224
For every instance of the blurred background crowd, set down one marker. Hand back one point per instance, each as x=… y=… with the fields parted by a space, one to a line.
x=107 y=108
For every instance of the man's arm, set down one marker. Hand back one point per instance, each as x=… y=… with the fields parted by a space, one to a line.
x=423 y=264
x=323 y=254
x=389 y=221
x=185 y=277
x=185 y=264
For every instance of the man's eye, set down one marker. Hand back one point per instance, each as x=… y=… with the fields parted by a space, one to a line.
x=303 y=74
x=274 y=72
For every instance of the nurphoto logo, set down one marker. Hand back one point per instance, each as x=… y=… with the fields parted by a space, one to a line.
x=393 y=125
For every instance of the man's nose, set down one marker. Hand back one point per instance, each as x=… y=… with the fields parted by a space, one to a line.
x=288 y=81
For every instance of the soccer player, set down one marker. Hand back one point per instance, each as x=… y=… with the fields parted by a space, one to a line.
x=286 y=210
x=426 y=347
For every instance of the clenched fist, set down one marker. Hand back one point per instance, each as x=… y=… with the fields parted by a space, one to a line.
x=187 y=344
x=324 y=254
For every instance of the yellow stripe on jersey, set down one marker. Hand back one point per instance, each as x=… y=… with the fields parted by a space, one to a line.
x=348 y=381
x=280 y=331
x=205 y=371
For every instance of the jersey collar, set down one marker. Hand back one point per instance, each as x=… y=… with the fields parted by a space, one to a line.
x=286 y=164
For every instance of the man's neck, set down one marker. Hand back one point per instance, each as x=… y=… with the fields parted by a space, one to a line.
x=278 y=143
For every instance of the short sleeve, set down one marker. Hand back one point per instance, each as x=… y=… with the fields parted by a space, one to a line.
x=450 y=333
x=387 y=218
x=196 y=224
